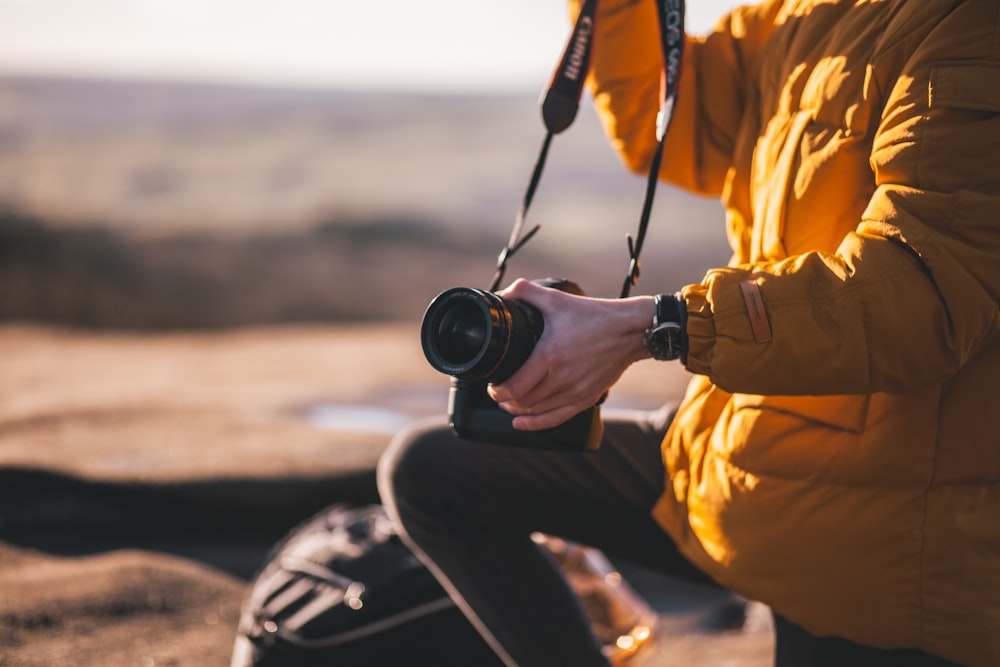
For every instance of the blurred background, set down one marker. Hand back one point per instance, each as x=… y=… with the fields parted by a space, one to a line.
x=176 y=177
x=205 y=164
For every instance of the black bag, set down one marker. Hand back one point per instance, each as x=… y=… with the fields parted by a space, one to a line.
x=343 y=589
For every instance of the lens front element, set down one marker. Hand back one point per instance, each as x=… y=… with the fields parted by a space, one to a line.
x=477 y=335
x=461 y=333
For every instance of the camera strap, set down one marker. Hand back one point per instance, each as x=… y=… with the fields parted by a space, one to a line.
x=559 y=107
x=562 y=101
x=671 y=17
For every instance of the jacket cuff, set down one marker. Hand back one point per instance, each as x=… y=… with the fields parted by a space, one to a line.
x=700 y=329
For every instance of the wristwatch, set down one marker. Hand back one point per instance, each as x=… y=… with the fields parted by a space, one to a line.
x=666 y=339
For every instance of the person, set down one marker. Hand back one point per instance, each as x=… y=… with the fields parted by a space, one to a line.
x=836 y=455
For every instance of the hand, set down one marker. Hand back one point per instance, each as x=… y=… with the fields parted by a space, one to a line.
x=586 y=345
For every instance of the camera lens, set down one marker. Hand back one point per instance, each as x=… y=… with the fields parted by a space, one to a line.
x=460 y=333
x=477 y=335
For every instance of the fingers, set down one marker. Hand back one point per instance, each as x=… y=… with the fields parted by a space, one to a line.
x=545 y=420
x=516 y=393
x=519 y=393
x=533 y=415
x=546 y=405
x=542 y=384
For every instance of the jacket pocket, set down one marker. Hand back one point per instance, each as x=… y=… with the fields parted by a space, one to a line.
x=796 y=437
x=844 y=413
x=974 y=86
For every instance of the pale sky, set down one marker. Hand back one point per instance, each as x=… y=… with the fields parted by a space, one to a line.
x=437 y=45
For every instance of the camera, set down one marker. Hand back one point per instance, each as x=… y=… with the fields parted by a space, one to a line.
x=478 y=337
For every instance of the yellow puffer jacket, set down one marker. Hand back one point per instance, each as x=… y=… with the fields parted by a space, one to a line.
x=840 y=461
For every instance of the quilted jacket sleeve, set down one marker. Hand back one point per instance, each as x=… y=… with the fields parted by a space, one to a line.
x=910 y=296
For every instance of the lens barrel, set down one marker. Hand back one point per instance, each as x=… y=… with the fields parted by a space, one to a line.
x=474 y=334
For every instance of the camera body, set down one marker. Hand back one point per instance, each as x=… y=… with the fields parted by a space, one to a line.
x=478 y=337
x=473 y=415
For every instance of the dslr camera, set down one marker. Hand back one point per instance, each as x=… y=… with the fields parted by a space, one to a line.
x=478 y=337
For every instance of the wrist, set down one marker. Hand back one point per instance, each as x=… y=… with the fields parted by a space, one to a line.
x=632 y=315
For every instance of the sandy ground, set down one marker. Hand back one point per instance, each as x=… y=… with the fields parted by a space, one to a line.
x=143 y=478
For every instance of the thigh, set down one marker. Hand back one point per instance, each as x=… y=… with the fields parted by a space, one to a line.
x=601 y=498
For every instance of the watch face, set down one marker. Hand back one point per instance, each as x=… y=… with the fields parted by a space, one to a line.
x=664 y=341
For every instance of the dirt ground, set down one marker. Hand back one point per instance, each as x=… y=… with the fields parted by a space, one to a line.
x=144 y=476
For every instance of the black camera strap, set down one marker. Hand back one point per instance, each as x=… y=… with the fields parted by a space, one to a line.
x=559 y=107
x=562 y=101
x=671 y=17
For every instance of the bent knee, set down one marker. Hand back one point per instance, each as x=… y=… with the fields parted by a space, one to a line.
x=410 y=469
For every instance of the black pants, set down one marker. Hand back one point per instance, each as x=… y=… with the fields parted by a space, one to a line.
x=469 y=509
x=794 y=647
